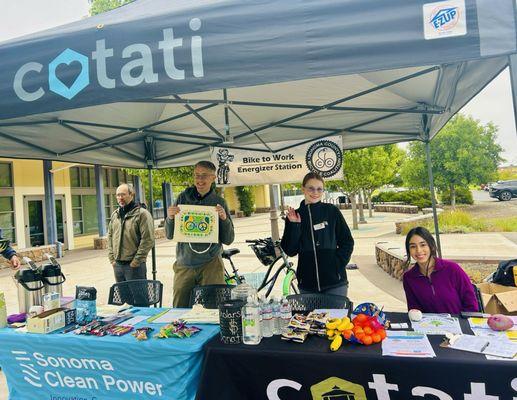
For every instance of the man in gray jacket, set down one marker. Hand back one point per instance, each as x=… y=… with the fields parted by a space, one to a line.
x=130 y=236
x=199 y=263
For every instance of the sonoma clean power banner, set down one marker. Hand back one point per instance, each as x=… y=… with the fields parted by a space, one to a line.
x=247 y=167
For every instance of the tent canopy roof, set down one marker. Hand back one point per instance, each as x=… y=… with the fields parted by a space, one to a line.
x=158 y=82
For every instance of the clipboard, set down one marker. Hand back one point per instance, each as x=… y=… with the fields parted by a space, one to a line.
x=481 y=345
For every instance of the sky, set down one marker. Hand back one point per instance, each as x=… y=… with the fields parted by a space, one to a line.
x=21 y=17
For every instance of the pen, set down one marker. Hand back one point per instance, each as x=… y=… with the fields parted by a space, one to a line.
x=72 y=328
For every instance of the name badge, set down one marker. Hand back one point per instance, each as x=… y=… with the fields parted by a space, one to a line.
x=321 y=225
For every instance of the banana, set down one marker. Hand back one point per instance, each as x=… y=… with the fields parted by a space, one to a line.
x=333 y=323
x=336 y=343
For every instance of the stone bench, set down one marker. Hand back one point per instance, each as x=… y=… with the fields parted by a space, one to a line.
x=390 y=203
x=401 y=223
x=36 y=254
x=396 y=208
x=391 y=258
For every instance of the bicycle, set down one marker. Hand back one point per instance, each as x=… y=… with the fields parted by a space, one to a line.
x=234 y=278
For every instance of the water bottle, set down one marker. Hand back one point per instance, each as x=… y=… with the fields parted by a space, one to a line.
x=275 y=306
x=267 y=318
x=285 y=314
x=251 y=322
x=242 y=291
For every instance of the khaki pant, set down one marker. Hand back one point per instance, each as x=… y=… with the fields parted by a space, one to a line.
x=185 y=279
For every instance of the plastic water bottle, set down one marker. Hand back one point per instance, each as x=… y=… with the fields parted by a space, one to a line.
x=242 y=291
x=251 y=322
x=267 y=318
x=285 y=314
x=275 y=305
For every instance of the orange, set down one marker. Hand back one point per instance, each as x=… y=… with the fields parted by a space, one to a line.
x=357 y=329
x=376 y=338
x=367 y=340
x=361 y=318
x=368 y=330
x=347 y=334
x=381 y=333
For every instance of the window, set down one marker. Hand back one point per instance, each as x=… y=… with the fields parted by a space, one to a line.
x=6 y=176
x=77 y=213
x=7 y=218
x=82 y=177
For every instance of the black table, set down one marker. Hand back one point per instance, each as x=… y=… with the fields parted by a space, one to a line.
x=280 y=370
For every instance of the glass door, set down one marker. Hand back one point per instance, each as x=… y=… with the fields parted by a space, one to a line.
x=36 y=223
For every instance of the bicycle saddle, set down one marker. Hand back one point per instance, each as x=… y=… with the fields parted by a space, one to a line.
x=230 y=252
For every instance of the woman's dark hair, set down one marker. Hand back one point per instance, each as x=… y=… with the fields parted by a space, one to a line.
x=424 y=234
x=312 y=175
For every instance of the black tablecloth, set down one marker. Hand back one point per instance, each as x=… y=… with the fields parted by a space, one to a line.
x=276 y=369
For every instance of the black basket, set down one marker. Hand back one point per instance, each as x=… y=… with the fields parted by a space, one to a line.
x=230 y=321
x=210 y=296
x=265 y=252
x=313 y=301
x=138 y=292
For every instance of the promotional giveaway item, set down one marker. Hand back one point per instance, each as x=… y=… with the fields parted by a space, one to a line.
x=46 y=322
x=196 y=224
x=178 y=329
x=51 y=301
x=85 y=303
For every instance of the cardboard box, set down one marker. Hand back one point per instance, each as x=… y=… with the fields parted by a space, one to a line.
x=498 y=299
x=46 y=322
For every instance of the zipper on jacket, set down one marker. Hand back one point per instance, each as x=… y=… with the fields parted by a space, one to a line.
x=314 y=248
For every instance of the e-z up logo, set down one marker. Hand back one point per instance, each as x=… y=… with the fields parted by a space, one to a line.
x=444 y=19
x=75 y=67
x=324 y=157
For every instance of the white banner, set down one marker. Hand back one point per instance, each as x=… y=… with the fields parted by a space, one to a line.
x=247 y=167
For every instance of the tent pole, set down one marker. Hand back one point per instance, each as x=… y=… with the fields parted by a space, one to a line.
x=150 y=207
x=433 y=199
x=101 y=210
x=513 y=80
x=50 y=203
x=275 y=234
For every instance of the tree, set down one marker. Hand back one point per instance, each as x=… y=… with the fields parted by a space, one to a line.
x=463 y=153
x=100 y=6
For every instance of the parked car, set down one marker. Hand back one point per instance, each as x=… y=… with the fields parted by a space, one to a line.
x=503 y=190
x=488 y=186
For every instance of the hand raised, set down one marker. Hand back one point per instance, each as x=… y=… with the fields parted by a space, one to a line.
x=293 y=216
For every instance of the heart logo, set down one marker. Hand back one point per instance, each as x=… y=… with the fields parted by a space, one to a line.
x=68 y=73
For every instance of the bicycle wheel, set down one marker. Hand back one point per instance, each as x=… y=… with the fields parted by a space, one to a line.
x=290 y=283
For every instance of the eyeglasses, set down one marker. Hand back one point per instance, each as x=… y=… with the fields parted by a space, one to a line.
x=203 y=177
x=315 y=190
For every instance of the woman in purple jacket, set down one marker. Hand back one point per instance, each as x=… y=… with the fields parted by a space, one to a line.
x=435 y=285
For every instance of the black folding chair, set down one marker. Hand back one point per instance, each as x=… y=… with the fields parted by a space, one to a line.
x=210 y=296
x=138 y=292
x=311 y=301
x=479 y=298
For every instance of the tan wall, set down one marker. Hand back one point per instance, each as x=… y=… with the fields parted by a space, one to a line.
x=81 y=242
x=261 y=194
x=28 y=181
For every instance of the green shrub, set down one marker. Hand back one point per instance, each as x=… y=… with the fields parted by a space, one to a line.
x=418 y=197
x=246 y=199
x=463 y=196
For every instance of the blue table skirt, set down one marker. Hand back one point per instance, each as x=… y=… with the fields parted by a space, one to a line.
x=75 y=367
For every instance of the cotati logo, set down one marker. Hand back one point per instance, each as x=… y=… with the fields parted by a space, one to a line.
x=138 y=70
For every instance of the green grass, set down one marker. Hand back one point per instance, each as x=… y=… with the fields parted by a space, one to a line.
x=460 y=221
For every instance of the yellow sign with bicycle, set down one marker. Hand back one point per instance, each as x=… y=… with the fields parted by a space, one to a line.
x=196 y=224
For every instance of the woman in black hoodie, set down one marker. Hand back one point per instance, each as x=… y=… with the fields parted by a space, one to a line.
x=319 y=235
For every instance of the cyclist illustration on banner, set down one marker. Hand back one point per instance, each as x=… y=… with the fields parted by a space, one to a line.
x=223 y=169
x=196 y=224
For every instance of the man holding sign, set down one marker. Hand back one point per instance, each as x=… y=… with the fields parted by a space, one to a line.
x=197 y=262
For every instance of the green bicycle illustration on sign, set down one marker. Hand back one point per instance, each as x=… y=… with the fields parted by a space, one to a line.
x=196 y=224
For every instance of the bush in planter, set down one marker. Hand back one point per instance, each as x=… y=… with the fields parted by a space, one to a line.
x=417 y=197
x=463 y=196
x=383 y=197
x=246 y=199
